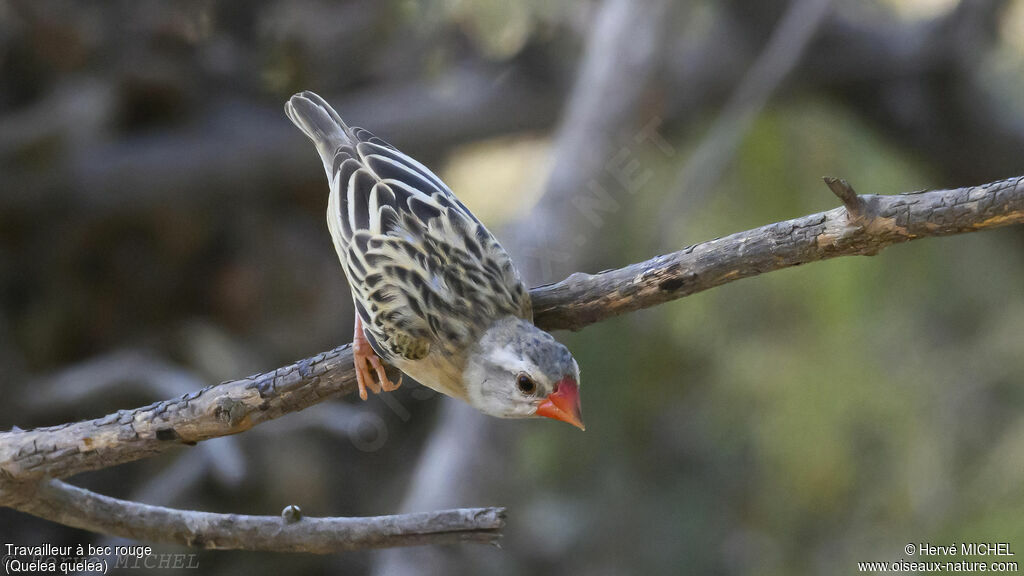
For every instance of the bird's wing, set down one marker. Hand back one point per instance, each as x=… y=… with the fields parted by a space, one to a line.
x=423 y=270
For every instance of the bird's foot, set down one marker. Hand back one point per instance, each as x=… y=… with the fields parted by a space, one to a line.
x=365 y=358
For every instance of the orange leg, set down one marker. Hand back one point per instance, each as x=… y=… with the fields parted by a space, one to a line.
x=365 y=358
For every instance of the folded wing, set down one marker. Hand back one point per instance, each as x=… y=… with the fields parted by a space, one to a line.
x=424 y=272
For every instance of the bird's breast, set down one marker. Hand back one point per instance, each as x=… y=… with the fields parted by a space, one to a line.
x=440 y=370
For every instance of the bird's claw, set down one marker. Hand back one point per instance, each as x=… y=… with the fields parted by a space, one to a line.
x=365 y=358
x=364 y=378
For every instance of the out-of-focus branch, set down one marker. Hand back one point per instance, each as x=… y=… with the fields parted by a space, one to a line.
x=921 y=83
x=924 y=85
x=66 y=504
x=580 y=300
x=623 y=54
x=784 y=51
x=246 y=149
x=106 y=374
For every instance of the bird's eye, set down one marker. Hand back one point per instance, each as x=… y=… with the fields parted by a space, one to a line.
x=526 y=384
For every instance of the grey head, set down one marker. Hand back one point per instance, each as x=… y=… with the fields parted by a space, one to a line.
x=517 y=370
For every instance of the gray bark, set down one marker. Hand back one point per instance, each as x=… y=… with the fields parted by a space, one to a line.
x=60 y=502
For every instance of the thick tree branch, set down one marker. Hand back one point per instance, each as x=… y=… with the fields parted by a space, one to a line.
x=66 y=504
x=126 y=435
x=581 y=299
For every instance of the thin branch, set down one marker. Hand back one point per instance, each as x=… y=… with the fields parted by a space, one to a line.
x=259 y=151
x=103 y=376
x=783 y=52
x=579 y=300
x=622 y=55
x=66 y=504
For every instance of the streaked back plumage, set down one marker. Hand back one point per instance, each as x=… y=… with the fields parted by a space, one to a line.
x=427 y=277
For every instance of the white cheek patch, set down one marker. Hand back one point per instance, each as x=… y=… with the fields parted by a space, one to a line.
x=495 y=393
x=513 y=362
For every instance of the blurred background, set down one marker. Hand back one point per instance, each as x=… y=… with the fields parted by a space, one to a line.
x=162 y=227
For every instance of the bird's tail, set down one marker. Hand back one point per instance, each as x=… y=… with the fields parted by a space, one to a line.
x=320 y=123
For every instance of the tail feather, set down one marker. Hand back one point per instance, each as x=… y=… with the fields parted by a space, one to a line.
x=320 y=123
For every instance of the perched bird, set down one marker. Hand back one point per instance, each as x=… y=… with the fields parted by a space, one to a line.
x=435 y=295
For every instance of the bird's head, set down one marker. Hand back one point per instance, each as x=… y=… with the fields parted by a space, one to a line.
x=519 y=371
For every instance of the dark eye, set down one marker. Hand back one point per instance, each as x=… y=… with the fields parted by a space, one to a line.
x=526 y=384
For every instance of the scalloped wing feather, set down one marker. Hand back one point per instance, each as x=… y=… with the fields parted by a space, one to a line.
x=425 y=273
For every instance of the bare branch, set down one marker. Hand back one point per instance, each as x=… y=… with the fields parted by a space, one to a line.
x=126 y=435
x=103 y=375
x=583 y=299
x=580 y=300
x=66 y=504
x=259 y=151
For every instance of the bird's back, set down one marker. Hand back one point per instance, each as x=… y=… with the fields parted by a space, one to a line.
x=427 y=277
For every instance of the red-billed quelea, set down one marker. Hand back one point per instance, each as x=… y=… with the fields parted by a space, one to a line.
x=435 y=294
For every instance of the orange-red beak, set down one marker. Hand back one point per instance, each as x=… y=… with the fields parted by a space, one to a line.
x=564 y=403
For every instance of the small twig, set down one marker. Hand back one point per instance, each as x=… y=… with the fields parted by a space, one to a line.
x=80 y=508
x=841 y=188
